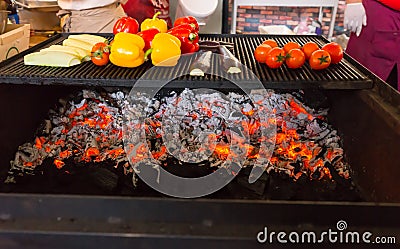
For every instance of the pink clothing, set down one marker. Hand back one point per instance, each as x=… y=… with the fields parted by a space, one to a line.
x=378 y=46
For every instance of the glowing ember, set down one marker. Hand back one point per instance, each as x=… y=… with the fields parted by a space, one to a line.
x=91 y=132
x=296 y=153
x=58 y=163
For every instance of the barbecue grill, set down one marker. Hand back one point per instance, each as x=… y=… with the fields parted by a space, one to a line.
x=41 y=213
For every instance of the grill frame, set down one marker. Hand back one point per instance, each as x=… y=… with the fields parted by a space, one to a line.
x=37 y=221
x=348 y=74
x=59 y=221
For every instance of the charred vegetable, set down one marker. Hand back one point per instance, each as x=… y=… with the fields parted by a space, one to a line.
x=201 y=64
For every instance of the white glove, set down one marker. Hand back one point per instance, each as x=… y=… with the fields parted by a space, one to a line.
x=355 y=17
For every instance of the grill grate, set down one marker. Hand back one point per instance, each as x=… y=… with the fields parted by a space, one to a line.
x=348 y=74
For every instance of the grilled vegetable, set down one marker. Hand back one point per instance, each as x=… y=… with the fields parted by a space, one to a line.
x=309 y=48
x=230 y=63
x=271 y=42
x=335 y=51
x=187 y=20
x=154 y=22
x=52 y=59
x=165 y=50
x=260 y=53
x=88 y=38
x=79 y=52
x=295 y=58
x=126 y=24
x=127 y=50
x=201 y=64
x=148 y=36
x=320 y=59
x=275 y=57
x=188 y=37
x=291 y=45
x=86 y=46
x=100 y=54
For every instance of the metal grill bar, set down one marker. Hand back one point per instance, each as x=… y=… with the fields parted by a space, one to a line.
x=345 y=75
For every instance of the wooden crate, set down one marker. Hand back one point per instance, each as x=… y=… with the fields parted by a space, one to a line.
x=14 y=40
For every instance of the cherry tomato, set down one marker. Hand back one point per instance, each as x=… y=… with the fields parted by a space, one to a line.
x=271 y=42
x=100 y=54
x=275 y=57
x=335 y=51
x=309 y=48
x=290 y=45
x=295 y=58
x=320 y=59
x=260 y=53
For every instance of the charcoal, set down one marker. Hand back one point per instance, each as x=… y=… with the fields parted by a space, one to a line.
x=313 y=98
x=83 y=135
x=104 y=178
x=258 y=187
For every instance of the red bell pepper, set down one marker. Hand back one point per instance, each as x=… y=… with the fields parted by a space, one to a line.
x=187 y=26
x=189 y=39
x=148 y=36
x=126 y=24
x=187 y=20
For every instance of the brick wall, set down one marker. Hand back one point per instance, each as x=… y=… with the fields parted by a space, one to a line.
x=249 y=18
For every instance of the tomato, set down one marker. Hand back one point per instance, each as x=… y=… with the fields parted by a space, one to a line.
x=309 y=48
x=260 y=53
x=320 y=59
x=271 y=42
x=335 y=51
x=295 y=58
x=290 y=45
x=100 y=54
x=275 y=57
x=126 y=24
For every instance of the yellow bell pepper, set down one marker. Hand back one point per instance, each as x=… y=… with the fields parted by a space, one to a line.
x=154 y=22
x=165 y=50
x=127 y=50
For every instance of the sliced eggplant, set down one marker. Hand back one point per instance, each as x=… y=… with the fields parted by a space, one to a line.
x=201 y=64
x=229 y=62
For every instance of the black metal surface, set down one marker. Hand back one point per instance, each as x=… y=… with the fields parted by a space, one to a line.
x=32 y=221
x=346 y=75
x=225 y=17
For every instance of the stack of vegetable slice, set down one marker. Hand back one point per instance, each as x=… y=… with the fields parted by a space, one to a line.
x=75 y=50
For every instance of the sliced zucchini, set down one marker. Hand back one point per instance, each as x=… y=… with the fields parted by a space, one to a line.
x=51 y=59
x=79 y=52
x=93 y=39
